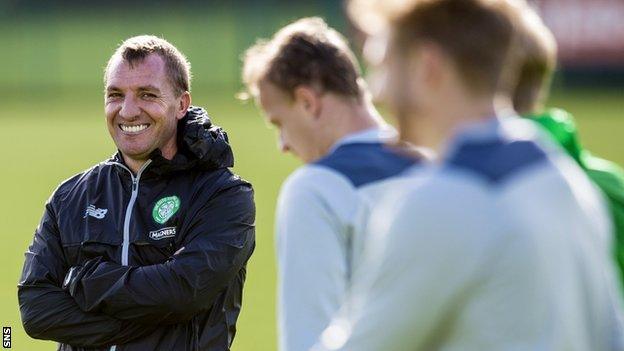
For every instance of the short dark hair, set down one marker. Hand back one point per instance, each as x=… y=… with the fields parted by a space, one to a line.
x=478 y=35
x=305 y=52
x=136 y=49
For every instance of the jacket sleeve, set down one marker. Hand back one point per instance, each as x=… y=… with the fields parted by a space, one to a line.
x=312 y=255
x=216 y=247
x=48 y=312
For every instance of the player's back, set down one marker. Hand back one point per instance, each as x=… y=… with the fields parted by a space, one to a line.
x=552 y=286
x=503 y=246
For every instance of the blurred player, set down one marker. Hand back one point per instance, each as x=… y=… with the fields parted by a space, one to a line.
x=540 y=57
x=504 y=245
x=307 y=82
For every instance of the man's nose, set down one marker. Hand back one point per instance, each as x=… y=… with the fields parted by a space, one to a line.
x=129 y=108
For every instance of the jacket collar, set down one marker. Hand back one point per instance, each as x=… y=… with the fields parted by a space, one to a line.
x=384 y=134
x=201 y=146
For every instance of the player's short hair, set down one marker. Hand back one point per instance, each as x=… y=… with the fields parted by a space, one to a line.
x=305 y=52
x=136 y=49
x=538 y=60
x=477 y=35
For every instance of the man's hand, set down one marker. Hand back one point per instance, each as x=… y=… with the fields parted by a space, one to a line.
x=75 y=274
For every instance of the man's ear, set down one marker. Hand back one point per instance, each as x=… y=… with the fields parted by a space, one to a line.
x=185 y=102
x=308 y=100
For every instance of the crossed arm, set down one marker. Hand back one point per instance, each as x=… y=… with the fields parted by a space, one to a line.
x=49 y=312
x=105 y=303
x=217 y=246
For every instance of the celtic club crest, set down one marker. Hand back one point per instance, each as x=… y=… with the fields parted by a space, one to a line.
x=165 y=208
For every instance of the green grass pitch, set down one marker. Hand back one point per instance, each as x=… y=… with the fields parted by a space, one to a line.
x=43 y=146
x=52 y=126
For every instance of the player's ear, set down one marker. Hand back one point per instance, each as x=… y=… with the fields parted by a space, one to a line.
x=308 y=100
x=183 y=104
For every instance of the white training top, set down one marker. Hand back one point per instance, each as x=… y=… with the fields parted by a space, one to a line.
x=504 y=245
x=318 y=241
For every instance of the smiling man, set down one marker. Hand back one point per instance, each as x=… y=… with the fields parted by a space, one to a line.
x=147 y=250
x=135 y=136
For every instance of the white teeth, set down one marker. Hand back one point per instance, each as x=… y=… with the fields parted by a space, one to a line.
x=133 y=129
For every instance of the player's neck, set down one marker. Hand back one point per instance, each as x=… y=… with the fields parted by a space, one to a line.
x=437 y=128
x=342 y=117
x=350 y=117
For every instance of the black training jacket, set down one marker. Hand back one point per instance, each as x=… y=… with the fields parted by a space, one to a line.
x=152 y=261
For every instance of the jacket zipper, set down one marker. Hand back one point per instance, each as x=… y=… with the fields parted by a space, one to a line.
x=126 y=231
x=135 y=192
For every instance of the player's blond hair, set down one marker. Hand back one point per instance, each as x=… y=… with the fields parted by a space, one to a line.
x=305 y=52
x=478 y=35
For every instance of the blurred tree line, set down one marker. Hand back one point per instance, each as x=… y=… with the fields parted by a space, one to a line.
x=61 y=46
x=24 y=7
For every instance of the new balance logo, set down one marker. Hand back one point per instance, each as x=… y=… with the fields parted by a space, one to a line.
x=98 y=213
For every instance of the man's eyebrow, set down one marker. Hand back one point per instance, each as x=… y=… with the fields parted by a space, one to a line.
x=148 y=88
x=141 y=88
x=112 y=88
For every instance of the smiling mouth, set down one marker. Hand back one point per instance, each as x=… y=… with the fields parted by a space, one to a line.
x=133 y=128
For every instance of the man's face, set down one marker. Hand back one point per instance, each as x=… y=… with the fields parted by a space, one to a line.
x=396 y=78
x=142 y=109
x=295 y=129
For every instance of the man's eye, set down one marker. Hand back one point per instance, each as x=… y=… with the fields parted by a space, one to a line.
x=113 y=95
x=148 y=95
